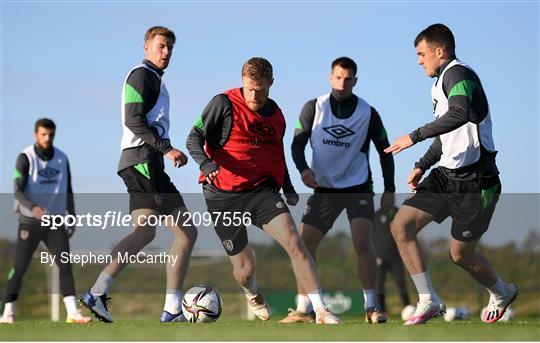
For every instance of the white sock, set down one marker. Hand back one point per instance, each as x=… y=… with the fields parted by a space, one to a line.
x=71 y=304
x=252 y=288
x=303 y=304
x=369 y=298
x=173 y=301
x=317 y=300
x=9 y=308
x=498 y=290
x=424 y=287
x=103 y=282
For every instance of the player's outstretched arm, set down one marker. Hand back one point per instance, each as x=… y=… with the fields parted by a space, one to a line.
x=453 y=119
x=399 y=145
x=466 y=102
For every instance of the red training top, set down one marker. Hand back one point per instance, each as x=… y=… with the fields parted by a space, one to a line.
x=254 y=150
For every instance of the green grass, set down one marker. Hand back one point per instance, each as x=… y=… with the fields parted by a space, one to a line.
x=241 y=330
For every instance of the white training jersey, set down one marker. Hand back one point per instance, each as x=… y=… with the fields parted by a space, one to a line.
x=460 y=147
x=338 y=161
x=47 y=183
x=157 y=117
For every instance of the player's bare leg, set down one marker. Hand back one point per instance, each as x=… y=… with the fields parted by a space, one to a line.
x=140 y=237
x=465 y=255
x=362 y=237
x=181 y=247
x=405 y=227
x=283 y=230
x=96 y=298
x=244 y=270
x=312 y=237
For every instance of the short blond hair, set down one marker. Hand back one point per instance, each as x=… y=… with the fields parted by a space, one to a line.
x=159 y=30
x=257 y=68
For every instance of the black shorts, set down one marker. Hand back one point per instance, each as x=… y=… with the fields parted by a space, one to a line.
x=326 y=204
x=149 y=187
x=470 y=204
x=260 y=205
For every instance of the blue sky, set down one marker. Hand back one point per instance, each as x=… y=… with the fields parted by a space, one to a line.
x=67 y=61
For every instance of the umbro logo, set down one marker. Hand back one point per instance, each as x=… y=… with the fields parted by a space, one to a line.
x=339 y=131
x=48 y=173
x=262 y=129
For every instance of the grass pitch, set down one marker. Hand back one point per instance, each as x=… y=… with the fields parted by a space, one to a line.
x=227 y=329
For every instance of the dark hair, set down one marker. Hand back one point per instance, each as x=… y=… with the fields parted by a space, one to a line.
x=345 y=63
x=257 y=68
x=159 y=30
x=440 y=35
x=46 y=123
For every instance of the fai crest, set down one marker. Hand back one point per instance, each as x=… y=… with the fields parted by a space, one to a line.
x=24 y=234
x=228 y=244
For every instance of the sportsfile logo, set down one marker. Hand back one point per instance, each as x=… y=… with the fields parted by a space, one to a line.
x=338 y=132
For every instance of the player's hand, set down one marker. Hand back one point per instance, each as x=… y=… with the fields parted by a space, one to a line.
x=292 y=198
x=400 y=144
x=387 y=201
x=308 y=178
x=212 y=176
x=70 y=230
x=38 y=212
x=414 y=178
x=178 y=158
